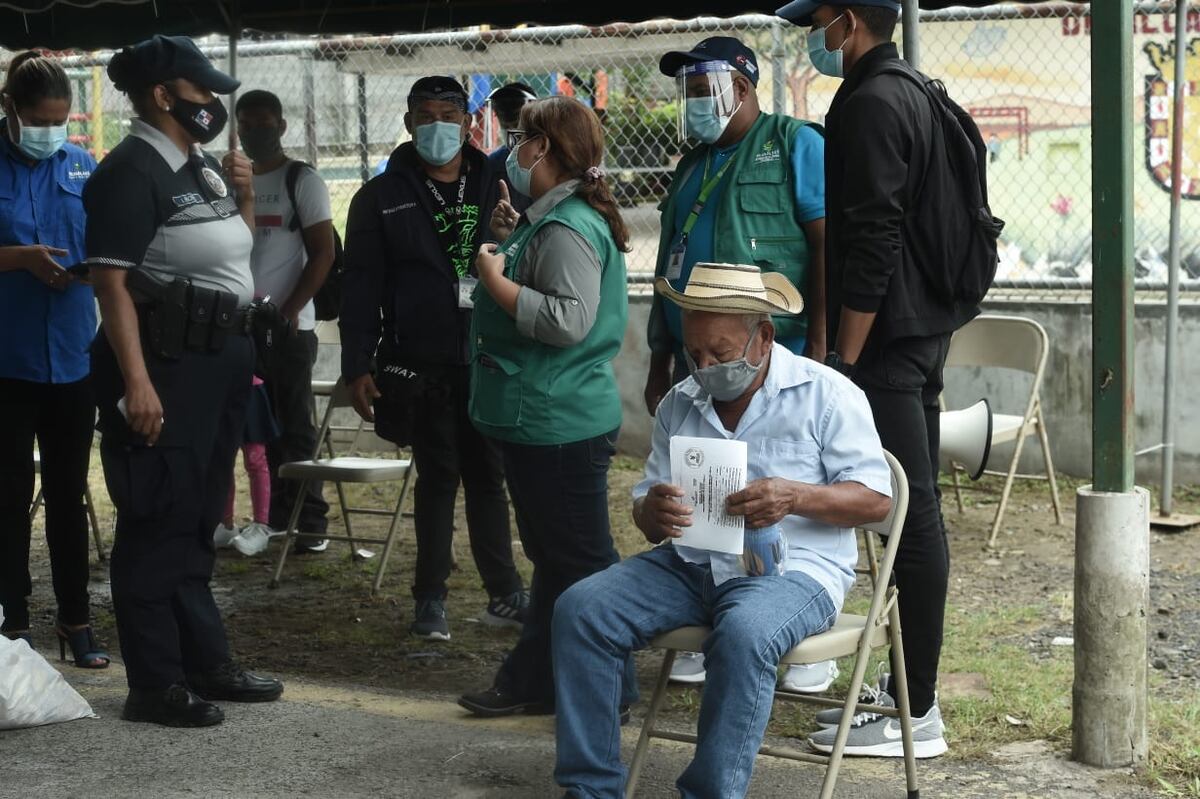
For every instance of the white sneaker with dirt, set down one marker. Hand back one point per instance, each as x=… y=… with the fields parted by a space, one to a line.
x=223 y=536
x=688 y=668
x=811 y=678
x=252 y=540
x=873 y=735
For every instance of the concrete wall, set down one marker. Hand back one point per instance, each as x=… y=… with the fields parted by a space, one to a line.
x=1066 y=391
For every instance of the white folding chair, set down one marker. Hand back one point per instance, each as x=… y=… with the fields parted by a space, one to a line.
x=87 y=503
x=341 y=470
x=1021 y=344
x=850 y=635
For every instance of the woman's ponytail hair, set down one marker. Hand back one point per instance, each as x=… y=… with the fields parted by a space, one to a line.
x=577 y=144
x=32 y=77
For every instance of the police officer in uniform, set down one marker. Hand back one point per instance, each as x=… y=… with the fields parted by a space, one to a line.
x=168 y=243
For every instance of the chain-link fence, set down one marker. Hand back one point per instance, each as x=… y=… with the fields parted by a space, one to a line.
x=1023 y=72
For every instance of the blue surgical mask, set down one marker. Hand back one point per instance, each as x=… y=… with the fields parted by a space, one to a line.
x=520 y=178
x=730 y=380
x=703 y=121
x=438 y=142
x=40 y=143
x=827 y=62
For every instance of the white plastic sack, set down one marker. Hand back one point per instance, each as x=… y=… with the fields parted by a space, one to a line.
x=32 y=692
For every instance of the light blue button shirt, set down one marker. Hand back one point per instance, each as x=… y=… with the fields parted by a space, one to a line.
x=807 y=423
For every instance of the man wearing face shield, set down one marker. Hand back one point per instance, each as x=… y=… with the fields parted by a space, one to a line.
x=751 y=191
x=896 y=212
x=815 y=471
x=412 y=235
x=506 y=103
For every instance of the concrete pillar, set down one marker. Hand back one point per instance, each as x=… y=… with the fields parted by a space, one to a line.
x=1112 y=594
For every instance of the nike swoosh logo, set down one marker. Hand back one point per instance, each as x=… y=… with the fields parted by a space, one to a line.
x=893 y=732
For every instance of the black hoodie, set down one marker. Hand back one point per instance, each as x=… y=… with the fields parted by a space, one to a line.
x=399 y=282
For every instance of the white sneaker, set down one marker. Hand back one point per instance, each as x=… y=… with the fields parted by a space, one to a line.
x=812 y=678
x=223 y=536
x=252 y=540
x=688 y=668
x=872 y=735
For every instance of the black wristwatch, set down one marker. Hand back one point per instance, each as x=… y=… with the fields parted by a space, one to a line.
x=835 y=362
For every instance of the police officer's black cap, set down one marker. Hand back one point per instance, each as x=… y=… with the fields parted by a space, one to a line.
x=438 y=87
x=714 y=48
x=164 y=58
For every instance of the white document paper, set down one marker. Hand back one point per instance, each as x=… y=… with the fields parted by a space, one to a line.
x=709 y=470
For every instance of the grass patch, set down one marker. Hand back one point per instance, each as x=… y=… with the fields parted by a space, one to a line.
x=1174 y=765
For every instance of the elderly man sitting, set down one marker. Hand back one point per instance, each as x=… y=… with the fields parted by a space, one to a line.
x=815 y=468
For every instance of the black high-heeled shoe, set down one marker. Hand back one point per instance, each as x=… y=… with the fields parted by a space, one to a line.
x=85 y=651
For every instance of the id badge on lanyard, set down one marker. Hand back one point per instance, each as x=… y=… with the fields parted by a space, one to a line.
x=466 y=290
x=675 y=258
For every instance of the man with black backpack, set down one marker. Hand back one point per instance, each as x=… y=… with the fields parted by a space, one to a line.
x=910 y=253
x=295 y=250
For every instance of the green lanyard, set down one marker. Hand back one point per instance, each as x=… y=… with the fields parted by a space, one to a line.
x=706 y=189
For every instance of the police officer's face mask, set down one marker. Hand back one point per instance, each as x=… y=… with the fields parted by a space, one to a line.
x=730 y=380
x=202 y=121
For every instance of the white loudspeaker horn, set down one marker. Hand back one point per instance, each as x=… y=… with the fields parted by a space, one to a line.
x=967 y=437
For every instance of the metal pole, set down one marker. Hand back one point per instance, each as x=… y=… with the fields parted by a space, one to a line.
x=1112 y=226
x=364 y=168
x=234 y=34
x=310 y=111
x=1166 y=499
x=1112 y=527
x=912 y=45
x=779 y=84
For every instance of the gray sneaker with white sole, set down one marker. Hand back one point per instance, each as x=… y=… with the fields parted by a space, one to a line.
x=688 y=668
x=873 y=735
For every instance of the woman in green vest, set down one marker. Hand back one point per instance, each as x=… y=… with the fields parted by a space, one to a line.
x=549 y=319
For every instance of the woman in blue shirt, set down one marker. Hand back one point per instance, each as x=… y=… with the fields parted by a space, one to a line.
x=47 y=322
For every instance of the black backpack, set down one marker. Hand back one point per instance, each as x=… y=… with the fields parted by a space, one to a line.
x=965 y=276
x=328 y=300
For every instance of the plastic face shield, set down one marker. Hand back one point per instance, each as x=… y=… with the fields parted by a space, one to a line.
x=508 y=108
x=708 y=88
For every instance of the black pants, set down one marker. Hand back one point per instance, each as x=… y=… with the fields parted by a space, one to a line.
x=902 y=380
x=169 y=499
x=289 y=385
x=61 y=417
x=560 y=493
x=447 y=450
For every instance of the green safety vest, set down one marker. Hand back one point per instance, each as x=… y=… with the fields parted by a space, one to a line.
x=528 y=392
x=756 y=216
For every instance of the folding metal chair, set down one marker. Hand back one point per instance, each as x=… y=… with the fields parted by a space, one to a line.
x=87 y=503
x=1021 y=344
x=850 y=635
x=340 y=470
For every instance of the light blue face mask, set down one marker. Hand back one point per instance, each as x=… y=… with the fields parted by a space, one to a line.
x=826 y=61
x=438 y=142
x=520 y=178
x=703 y=121
x=40 y=143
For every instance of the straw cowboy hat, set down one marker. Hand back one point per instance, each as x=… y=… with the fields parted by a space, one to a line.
x=734 y=288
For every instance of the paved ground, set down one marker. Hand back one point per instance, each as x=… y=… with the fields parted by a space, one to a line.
x=338 y=741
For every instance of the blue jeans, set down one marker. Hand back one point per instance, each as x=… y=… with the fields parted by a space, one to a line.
x=599 y=620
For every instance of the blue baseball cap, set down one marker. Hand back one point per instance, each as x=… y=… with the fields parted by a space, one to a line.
x=714 y=48
x=800 y=12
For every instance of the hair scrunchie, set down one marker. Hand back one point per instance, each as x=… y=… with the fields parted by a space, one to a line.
x=593 y=173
